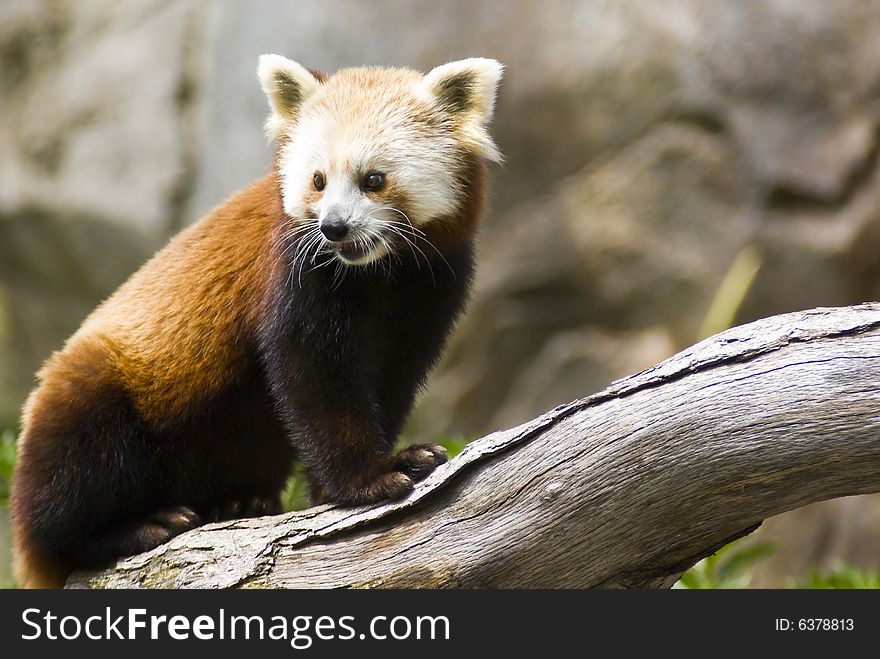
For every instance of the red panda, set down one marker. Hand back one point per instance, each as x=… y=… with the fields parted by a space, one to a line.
x=297 y=320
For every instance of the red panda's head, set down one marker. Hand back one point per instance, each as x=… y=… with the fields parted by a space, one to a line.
x=368 y=157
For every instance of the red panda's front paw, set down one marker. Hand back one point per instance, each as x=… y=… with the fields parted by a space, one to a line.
x=412 y=464
x=385 y=487
x=419 y=460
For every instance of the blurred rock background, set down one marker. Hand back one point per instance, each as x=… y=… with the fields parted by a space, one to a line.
x=648 y=145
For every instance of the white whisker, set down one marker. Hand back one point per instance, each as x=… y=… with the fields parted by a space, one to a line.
x=418 y=234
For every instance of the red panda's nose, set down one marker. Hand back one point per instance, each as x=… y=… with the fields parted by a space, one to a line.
x=334 y=229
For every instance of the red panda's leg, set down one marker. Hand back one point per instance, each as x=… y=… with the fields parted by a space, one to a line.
x=86 y=483
x=410 y=465
x=349 y=459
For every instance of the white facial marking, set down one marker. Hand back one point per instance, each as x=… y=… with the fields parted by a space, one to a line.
x=416 y=131
x=423 y=166
x=419 y=165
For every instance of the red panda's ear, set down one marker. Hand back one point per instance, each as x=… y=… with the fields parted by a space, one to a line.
x=466 y=87
x=287 y=85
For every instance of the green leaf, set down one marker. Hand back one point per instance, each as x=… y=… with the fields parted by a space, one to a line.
x=7 y=463
x=741 y=558
x=295 y=495
x=728 y=567
x=840 y=576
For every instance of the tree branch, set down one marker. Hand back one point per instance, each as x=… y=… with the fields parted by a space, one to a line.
x=625 y=488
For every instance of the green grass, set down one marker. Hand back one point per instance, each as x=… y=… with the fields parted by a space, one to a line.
x=731 y=567
x=840 y=575
x=727 y=568
x=7 y=461
x=296 y=493
x=732 y=292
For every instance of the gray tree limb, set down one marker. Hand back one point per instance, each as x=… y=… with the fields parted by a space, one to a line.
x=626 y=488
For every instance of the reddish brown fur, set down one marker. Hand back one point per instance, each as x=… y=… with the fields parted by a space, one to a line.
x=202 y=293
x=147 y=341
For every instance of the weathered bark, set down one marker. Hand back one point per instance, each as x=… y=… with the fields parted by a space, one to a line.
x=625 y=488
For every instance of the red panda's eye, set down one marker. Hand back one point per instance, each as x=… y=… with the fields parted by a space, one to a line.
x=374 y=181
x=318 y=181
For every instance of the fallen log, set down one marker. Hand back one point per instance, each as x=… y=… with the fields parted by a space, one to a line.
x=625 y=488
